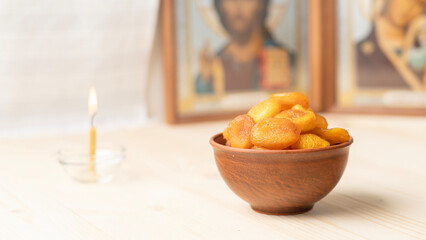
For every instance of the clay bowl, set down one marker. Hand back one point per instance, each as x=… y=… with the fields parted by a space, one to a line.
x=280 y=182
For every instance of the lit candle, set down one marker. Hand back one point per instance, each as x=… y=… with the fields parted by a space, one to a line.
x=93 y=109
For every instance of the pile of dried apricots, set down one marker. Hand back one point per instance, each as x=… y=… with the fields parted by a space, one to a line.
x=284 y=121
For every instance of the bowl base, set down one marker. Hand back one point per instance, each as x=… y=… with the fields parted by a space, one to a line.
x=283 y=211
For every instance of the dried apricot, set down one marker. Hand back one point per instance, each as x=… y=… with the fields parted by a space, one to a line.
x=265 y=109
x=238 y=131
x=309 y=141
x=225 y=134
x=303 y=118
x=334 y=135
x=300 y=108
x=288 y=100
x=321 y=121
x=274 y=133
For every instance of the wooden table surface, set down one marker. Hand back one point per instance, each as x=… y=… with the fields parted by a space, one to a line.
x=169 y=188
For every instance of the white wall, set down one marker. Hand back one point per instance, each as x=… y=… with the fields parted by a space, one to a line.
x=51 y=51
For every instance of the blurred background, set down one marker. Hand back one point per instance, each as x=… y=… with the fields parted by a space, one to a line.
x=53 y=51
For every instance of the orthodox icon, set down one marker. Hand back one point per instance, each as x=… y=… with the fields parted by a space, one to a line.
x=232 y=53
x=382 y=53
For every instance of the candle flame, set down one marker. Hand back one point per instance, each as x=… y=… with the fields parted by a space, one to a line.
x=93 y=102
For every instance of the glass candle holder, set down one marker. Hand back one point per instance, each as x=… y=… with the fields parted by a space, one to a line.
x=84 y=167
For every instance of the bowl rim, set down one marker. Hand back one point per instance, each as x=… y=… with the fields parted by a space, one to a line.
x=215 y=144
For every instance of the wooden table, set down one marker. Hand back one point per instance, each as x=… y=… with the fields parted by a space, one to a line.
x=169 y=188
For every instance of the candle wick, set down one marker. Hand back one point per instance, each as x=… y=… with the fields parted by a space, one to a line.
x=92 y=119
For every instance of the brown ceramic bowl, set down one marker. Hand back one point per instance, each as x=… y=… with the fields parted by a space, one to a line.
x=280 y=182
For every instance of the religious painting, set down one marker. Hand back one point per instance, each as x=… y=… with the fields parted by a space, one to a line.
x=381 y=53
x=230 y=54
